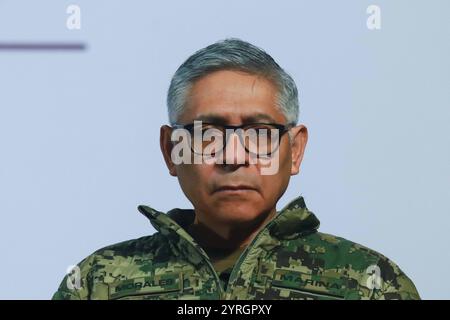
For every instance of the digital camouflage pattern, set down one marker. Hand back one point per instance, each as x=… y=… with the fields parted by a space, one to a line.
x=287 y=259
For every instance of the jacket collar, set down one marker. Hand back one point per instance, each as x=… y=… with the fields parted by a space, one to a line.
x=290 y=222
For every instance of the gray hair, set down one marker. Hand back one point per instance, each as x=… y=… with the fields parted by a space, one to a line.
x=232 y=54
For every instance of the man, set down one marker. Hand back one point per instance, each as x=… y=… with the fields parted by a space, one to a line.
x=234 y=244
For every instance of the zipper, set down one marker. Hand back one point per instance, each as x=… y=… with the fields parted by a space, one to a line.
x=208 y=263
x=241 y=258
x=245 y=253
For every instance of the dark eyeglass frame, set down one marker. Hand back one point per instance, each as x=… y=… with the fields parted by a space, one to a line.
x=282 y=129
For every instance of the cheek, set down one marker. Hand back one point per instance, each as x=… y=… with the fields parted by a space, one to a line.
x=273 y=185
x=281 y=165
x=194 y=179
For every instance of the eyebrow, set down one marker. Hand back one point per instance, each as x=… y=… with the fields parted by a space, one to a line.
x=219 y=119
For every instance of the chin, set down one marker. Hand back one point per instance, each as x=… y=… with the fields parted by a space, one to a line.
x=235 y=213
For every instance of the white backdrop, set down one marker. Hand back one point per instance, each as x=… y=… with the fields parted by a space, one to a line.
x=79 y=130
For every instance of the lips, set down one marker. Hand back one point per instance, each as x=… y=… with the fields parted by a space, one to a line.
x=234 y=188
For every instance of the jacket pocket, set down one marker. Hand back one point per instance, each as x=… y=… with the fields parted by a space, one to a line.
x=297 y=293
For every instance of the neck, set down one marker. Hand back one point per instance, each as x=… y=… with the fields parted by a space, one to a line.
x=216 y=234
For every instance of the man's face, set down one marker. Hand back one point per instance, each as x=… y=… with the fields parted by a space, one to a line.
x=235 y=98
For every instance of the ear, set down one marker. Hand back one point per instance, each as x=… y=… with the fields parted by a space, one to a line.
x=298 y=145
x=166 y=145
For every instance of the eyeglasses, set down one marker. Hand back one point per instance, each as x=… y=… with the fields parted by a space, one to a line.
x=259 y=139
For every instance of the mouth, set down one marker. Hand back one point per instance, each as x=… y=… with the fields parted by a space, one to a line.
x=234 y=189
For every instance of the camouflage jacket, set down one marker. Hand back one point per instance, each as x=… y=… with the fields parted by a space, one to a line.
x=287 y=259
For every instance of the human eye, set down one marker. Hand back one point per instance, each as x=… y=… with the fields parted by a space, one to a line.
x=210 y=127
x=260 y=127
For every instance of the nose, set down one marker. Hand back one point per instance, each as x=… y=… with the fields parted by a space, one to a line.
x=234 y=152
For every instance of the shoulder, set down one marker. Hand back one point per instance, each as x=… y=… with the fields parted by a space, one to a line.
x=134 y=252
x=368 y=267
x=130 y=248
x=334 y=245
x=334 y=252
x=112 y=261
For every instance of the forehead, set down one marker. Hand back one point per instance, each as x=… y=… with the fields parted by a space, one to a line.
x=232 y=97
